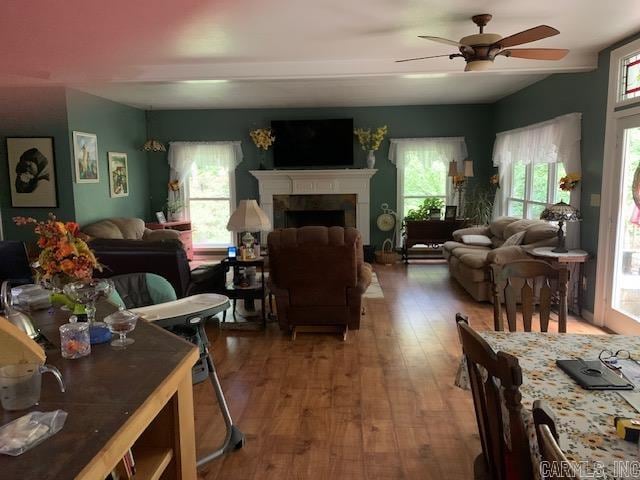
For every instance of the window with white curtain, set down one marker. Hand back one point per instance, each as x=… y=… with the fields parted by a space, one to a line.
x=531 y=161
x=206 y=172
x=423 y=165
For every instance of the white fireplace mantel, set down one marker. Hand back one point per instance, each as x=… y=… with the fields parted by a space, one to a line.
x=319 y=182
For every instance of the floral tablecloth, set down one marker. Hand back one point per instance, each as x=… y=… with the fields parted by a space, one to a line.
x=584 y=418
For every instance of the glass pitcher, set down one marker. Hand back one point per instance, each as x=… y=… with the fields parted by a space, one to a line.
x=20 y=384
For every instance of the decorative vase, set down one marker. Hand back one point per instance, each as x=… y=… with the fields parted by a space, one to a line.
x=371 y=159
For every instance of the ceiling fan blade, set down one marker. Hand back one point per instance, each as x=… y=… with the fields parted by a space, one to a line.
x=446 y=41
x=526 y=36
x=536 y=53
x=420 y=58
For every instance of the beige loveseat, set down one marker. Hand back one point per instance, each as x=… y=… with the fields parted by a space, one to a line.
x=469 y=264
x=128 y=229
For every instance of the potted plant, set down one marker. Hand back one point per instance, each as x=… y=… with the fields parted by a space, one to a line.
x=478 y=205
x=430 y=209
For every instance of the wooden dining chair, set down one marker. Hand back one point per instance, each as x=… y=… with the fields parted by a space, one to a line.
x=530 y=274
x=496 y=378
x=558 y=466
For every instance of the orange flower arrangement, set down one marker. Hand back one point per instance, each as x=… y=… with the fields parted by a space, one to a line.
x=458 y=180
x=569 y=182
x=65 y=256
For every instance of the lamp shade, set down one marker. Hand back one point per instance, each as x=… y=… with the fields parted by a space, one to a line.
x=468 y=168
x=248 y=217
x=560 y=212
x=453 y=168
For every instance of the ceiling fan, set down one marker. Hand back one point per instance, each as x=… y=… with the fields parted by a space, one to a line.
x=481 y=49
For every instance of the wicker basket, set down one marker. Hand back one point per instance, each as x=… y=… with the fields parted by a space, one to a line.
x=387 y=256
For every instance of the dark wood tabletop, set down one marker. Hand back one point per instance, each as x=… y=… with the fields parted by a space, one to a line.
x=103 y=390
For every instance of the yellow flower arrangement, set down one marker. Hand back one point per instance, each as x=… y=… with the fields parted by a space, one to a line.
x=370 y=140
x=263 y=138
x=569 y=182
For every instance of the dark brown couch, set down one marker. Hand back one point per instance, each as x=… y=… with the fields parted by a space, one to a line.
x=318 y=276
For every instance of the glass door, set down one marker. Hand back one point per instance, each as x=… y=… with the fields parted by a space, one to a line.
x=623 y=308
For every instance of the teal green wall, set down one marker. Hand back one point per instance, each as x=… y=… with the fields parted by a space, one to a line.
x=471 y=121
x=119 y=129
x=557 y=95
x=38 y=112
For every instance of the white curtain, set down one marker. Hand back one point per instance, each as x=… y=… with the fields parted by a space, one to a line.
x=553 y=141
x=183 y=154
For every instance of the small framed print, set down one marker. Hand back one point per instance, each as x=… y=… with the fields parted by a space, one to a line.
x=118 y=174
x=32 y=172
x=450 y=212
x=161 y=218
x=85 y=153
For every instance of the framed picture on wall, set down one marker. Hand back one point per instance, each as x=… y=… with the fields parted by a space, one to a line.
x=118 y=174
x=85 y=154
x=450 y=212
x=161 y=218
x=32 y=172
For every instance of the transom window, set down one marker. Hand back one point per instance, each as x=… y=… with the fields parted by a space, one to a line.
x=210 y=202
x=630 y=77
x=534 y=187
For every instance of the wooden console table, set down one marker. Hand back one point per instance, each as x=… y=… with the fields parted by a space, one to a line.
x=139 y=398
x=183 y=228
x=428 y=232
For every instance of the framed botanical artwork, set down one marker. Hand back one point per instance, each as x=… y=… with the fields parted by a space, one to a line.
x=118 y=174
x=450 y=212
x=85 y=153
x=32 y=172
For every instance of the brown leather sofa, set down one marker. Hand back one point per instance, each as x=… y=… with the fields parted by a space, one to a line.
x=318 y=276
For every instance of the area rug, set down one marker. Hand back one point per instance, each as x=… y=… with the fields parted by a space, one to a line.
x=374 y=290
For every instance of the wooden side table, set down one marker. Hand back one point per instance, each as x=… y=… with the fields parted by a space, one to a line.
x=572 y=260
x=182 y=227
x=249 y=293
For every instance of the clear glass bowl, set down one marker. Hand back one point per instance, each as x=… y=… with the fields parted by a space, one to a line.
x=121 y=323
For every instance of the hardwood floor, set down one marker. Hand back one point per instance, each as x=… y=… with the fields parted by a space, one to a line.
x=380 y=406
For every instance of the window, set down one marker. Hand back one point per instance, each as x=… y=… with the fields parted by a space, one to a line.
x=531 y=161
x=205 y=174
x=423 y=166
x=421 y=181
x=534 y=187
x=210 y=203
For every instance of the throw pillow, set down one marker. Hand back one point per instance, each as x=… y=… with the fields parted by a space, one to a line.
x=476 y=240
x=515 y=239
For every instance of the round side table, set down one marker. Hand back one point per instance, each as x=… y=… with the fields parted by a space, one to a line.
x=571 y=260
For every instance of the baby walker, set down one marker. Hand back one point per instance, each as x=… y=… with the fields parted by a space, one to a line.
x=192 y=312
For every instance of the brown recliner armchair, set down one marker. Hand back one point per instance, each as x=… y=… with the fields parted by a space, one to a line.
x=318 y=276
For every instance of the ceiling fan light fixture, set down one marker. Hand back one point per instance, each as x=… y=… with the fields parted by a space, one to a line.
x=478 y=65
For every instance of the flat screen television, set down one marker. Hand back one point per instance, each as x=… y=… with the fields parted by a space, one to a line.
x=313 y=143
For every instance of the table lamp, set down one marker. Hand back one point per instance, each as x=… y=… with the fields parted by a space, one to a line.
x=560 y=212
x=248 y=217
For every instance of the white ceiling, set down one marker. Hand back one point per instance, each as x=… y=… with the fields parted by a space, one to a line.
x=290 y=52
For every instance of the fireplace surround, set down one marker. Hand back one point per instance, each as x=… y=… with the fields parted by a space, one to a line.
x=333 y=183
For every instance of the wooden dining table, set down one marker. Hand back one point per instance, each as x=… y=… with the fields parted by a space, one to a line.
x=585 y=418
